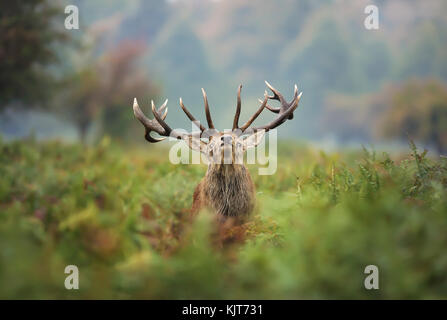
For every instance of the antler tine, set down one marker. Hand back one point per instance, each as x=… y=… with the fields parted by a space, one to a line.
x=149 y=125
x=159 y=118
x=276 y=94
x=139 y=114
x=238 y=108
x=207 y=110
x=163 y=106
x=157 y=124
x=284 y=114
x=284 y=104
x=274 y=110
x=295 y=96
x=256 y=114
x=191 y=117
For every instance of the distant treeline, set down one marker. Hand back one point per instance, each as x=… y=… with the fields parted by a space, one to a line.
x=321 y=45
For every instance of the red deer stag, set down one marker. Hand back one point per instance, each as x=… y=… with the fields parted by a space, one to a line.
x=227 y=188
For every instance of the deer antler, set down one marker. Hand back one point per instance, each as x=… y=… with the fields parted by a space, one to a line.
x=157 y=124
x=161 y=127
x=285 y=111
x=191 y=117
x=238 y=108
x=207 y=110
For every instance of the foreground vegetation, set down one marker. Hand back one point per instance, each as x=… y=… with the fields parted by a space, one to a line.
x=121 y=215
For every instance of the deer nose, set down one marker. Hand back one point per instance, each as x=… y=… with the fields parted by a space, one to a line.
x=226 y=140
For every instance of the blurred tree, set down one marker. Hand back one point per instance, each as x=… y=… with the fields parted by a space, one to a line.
x=346 y=115
x=249 y=36
x=180 y=52
x=27 y=34
x=104 y=88
x=326 y=62
x=181 y=62
x=82 y=98
x=426 y=53
x=122 y=80
x=417 y=108
x=146 y=22
x=321 y=44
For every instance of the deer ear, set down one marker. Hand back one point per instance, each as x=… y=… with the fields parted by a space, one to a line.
x=195 y=143
x=254 y=139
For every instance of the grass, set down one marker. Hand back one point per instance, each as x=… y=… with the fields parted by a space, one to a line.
x=120 y=215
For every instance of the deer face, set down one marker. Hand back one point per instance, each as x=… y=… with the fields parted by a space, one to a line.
x=223 y=148
x=227 y=147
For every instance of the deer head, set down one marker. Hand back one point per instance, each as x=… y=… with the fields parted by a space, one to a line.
x=227 y=187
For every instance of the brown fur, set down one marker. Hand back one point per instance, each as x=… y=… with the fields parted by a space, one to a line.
x=226 y=189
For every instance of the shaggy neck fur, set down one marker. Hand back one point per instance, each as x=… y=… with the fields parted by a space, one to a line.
x=229 y=189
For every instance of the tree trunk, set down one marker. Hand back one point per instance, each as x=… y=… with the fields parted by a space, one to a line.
x=82 y=130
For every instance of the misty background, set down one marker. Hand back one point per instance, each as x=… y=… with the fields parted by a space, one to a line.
x=359 y=85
